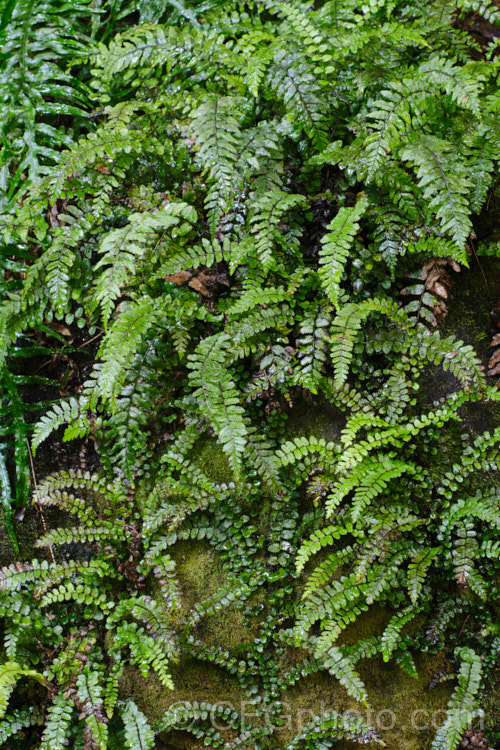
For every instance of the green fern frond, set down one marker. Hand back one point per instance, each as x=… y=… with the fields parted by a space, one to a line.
x=417 y=570
x=265 y=224
x=321 y=538
x=10 y=673
x=58 y=723
x=312 y=348
x=70 y=412
x=392 y=633
x=336 y=245
x=444 y=184
x=462 y=702
x=345 y=329
x=89 y=690
x=121 y=249
x=301 y=93
x=299 y=448
x=206 y=254
x=138 y=733
x=217 y=395
x=121 y=344
x=14 y=722
x=326 y=569
x=331 y=727
x=218 y=132
x=340 y=667
x=483 y=156
x=369 y=478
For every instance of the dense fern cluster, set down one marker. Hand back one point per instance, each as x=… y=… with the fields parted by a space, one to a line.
x=227 y=196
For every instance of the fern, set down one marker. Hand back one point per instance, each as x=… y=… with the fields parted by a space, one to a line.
x=461 y=704
x=121 y=249
x=391 y=634
x=232 y=222
x=444 y=184
x=10 y=673
x=218 y=132
x=417 y=570
x=336 y=245
x=138 y=733
x=264 y=224
x=57 y=728
x=218 y=397
x=340 y=666
x=40 y=41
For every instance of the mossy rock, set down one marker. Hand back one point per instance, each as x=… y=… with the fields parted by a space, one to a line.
x=394 y=696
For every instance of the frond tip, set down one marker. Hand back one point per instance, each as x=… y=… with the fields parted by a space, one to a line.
x=336 y=245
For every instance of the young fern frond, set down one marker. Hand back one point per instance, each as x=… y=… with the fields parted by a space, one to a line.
x=462 y=703
x=417 y=570
x=217 y=395
x=391 y=634
x=336 y=245
x=138 y=733
x=444 y=184
x=58 y=723
x=264 y=224
x=218 y=132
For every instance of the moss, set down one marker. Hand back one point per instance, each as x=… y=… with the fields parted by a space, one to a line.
x=194 y=680
x=26 y=532
x=393 y=695
x=212 y=460
x=315 y=417
x=7 y=553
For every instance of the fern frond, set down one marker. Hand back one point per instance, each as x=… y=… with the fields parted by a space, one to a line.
x=336 y=245
x=68 y=412
x=332 y=726
x=138 y=733
x=121 y=250
x=321 y=538
x=369 y=478
x=391 y=634
x=206 y=254
x=462 y=702
x=217 y=396
x=301 y=93
x=264 y=223
x=312 y=347
x=444 y=185
x=417 y=570
x=15 y=721
x=345 y=329
x=89 y=690
x=58 y=723
x=218 y=132
x=121 y=344
x=10 y=673
x=340 y=667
